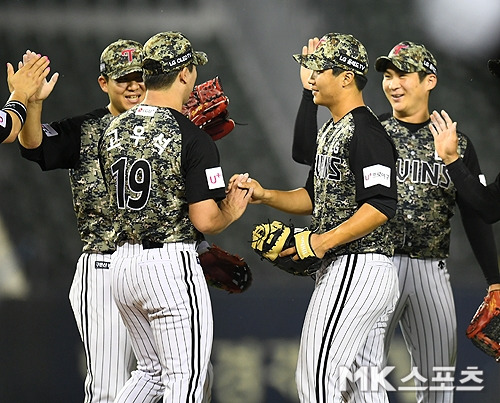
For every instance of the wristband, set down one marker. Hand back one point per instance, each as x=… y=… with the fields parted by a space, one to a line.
x=303 y=244
x=18 y=108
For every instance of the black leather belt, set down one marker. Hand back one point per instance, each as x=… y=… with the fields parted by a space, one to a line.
x=147 y=244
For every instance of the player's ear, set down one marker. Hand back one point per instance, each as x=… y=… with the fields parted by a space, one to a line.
x=103 y=83
x=431 y=81
x=348 y=78
x=184 y=75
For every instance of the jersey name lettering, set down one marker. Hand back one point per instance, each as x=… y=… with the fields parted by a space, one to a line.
x=422 y=172
x=326 y=167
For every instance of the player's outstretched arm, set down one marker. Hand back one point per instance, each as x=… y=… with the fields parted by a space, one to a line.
x=295 y=201
x=31 y=135
x=23 y=83
x=211 y=218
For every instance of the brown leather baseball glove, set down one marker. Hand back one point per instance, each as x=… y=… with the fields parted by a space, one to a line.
x=484 y=328
x=224 y=270
x=207 y=109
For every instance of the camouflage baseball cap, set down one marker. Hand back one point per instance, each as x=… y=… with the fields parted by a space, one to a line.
x=408 y=57
x=337 y=50
x=121 y=58
x=173 y=51
x=494 y=67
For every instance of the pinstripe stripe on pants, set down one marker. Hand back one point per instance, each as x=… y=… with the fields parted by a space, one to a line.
x=164 y=301
x=107 y=347
x=426 y=315
x=353 y=294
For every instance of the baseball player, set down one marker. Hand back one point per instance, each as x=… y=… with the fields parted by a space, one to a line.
x=484 y=199
x=421 y=227
x=167 y=189
x=351 y=193
x=22 y=86
x=72 y=144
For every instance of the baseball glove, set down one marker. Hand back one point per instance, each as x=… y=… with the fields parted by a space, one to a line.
x=223 y=270
x=207 y=109
x=484 y=328
x=269 y=239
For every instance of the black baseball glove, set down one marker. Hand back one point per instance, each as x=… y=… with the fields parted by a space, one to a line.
x=269 y=239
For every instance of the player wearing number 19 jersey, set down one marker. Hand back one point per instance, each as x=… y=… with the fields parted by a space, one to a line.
x=166 y=188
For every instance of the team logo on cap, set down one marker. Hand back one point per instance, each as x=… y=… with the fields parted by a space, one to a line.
x=398 y=48
x=129 y=53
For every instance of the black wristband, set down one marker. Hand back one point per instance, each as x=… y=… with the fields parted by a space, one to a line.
x=18 y=108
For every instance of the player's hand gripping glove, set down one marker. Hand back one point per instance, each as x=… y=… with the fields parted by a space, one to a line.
x=269 y=239
x=223 y=270
x=207 y=109
x=484 y=328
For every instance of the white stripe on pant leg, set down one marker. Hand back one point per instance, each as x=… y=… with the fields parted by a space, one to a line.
x=429 y=324
x=340 y=306
x=145 y=383
x=174 y=296
x=106 y=343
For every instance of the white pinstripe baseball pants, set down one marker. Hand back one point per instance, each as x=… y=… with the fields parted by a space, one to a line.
x=108 y=351
x=425 y=313
x=164 y=301
x=353 y=295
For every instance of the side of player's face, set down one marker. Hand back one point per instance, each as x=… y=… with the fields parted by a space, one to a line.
x=323 y=86
x=126 y=92
x=405 y=92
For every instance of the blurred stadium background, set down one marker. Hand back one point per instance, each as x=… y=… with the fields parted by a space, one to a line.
x=249 y=44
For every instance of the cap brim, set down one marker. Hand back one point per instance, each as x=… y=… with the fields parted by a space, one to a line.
x=123 y=73
x=311 y=62
x=494 y=67
x=200 y=58
x=381 y=63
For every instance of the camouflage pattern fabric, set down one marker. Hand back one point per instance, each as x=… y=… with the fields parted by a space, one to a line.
x=172 y=50
x=335 y=200
x=426 y=195
x=337 y=50
x=90 y=199
x=409 y=57
x=143 y=146
x=121 y=58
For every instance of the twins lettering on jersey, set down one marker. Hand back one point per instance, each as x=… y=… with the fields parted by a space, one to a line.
x=328 y=167
x=419 y=171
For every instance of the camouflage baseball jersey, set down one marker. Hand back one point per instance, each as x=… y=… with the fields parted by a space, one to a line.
x=90 y=199
x=145 y=168
x=72 y=144
x=426 y=195
x=338 y=180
